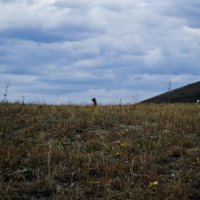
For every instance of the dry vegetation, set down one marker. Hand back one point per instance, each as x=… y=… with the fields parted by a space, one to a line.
x=106 y=152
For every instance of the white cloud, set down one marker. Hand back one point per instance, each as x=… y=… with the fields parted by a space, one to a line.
x=153 y=57
x=193 y=32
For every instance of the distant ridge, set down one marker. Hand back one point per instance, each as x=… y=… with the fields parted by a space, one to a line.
x=186 y=94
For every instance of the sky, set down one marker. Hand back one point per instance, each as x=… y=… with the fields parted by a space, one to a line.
x=69 y=51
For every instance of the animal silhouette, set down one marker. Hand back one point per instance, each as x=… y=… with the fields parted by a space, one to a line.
x=94 y=101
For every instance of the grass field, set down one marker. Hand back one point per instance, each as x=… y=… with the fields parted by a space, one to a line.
x=104 y=152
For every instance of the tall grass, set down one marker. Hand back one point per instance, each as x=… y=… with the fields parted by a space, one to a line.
x=142 y=151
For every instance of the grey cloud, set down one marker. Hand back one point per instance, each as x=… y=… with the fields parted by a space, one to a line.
x=35 y=35
x=71 y=4
x=74 y=47
x=69 y=32
x=186 y=9
x=13 y=1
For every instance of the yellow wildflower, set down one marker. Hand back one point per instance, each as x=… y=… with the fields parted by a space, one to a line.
x=153 y=185
x=124 y=145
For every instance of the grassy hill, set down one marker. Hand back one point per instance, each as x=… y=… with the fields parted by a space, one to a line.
x=108 y=152
x=189 y=93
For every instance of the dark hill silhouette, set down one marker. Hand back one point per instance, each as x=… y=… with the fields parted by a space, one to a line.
x=186 y=94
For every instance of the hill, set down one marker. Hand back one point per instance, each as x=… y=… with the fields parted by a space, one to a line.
x=187 y=94
x=144 y=151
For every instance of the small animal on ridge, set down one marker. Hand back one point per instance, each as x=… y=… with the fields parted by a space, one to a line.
x=94 y=101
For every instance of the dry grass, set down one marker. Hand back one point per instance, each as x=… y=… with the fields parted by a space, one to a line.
x=106 y=152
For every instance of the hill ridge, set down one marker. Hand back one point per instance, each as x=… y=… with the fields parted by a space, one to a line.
x=185 y=94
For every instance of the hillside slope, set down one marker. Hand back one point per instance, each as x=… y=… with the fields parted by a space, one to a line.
x=187 y=94
x=73 y=152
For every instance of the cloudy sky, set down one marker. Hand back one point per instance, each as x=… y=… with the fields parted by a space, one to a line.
x=61 y=51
